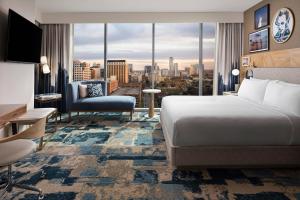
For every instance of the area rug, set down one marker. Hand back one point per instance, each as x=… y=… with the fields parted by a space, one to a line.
x=107 y=156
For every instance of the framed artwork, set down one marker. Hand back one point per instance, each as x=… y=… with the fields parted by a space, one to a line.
x=283 y=25
x=259 y=41
x=262 y=17
x=245 y=61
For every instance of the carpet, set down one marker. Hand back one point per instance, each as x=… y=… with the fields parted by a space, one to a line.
x=106 y=156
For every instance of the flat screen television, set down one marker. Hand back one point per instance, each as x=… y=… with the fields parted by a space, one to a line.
x=24 y=40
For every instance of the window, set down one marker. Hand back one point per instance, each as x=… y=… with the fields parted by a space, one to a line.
x=209 y=46
x=129 y=59
x=177 y=58
x=88 y=52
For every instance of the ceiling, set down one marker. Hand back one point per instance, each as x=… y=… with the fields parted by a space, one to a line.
x=54 y=6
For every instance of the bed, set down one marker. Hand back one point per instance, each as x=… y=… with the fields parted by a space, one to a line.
x=229 y=131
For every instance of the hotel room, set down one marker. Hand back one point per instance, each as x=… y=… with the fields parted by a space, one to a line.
x=137 y=99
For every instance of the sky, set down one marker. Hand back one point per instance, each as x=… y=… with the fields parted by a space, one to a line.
x=133 y=42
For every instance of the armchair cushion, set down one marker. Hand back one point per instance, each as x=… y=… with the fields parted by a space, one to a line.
x=105 y=103
x=97 y=104
x=83 y=92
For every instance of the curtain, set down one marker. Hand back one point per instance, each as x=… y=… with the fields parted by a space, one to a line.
x=56 y=42
x=228 y=54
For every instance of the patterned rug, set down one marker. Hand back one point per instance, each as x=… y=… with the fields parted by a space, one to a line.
x=106 y=156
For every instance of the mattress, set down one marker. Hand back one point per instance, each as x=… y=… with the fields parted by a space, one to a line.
x=226 y=121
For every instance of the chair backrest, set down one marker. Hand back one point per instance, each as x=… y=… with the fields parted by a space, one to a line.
x=73 y=90
x=37 y=130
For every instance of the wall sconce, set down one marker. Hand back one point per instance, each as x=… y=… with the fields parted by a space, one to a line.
x=45 y=66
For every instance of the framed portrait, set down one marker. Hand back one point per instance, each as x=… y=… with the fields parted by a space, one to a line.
x=283 y=25
x=259 y=41
x=245 y=61
x=262 y=17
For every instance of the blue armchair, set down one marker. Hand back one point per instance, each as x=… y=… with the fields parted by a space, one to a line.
x=97 y=104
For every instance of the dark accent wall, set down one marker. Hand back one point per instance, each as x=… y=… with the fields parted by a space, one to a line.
x=293 y=42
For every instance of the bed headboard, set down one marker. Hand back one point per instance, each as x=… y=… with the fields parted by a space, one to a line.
x=291 y=75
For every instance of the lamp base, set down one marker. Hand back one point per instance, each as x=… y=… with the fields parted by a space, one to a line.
x=236 y=87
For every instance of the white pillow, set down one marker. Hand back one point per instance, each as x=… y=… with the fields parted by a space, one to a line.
x=83 y=91
x=284 y=96
x=253 y=89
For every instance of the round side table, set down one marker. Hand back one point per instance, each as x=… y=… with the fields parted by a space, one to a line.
x=151 y=105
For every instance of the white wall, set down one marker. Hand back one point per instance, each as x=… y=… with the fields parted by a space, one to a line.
x=16 y=80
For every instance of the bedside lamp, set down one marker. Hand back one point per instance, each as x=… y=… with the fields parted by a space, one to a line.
x=249 y=74
x=236 y=72
x=45 y=66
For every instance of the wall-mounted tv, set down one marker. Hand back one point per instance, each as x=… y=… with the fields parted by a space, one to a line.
x=24 y=40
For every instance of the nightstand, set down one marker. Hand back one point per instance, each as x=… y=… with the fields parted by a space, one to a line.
x=230 y=93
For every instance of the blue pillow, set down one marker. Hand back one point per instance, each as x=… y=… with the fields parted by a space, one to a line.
x=94 y=90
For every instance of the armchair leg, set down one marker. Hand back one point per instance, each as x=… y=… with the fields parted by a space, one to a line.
x=131 y=113
x=41 y=143
x=70 y=116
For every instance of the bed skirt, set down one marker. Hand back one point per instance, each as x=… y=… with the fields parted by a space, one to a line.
x=232 y=156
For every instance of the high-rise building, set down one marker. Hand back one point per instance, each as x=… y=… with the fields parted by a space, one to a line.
x=176 y=71
x=77 y=71
x=195 y=69
x=86 y=71
x=171 y=67
x=118 y=68
x=81 y=71
x=136 y=76
x=96 y=71
x=147 y=70
x=156 y=73
x=188 y=70
x=130 y=68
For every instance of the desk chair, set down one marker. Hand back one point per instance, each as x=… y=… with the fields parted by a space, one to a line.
x=15 y=148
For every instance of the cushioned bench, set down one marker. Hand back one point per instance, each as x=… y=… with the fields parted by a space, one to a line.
x=97 y=104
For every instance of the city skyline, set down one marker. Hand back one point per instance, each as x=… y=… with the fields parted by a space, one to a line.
x=134 y=44
x=182 y=63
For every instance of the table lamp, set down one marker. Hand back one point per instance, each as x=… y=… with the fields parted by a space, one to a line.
x=236 y=73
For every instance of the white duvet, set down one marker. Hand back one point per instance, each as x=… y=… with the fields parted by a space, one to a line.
x=226 y=120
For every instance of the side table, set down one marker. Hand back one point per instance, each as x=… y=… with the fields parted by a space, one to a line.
x=151 y=105
x=53 y=98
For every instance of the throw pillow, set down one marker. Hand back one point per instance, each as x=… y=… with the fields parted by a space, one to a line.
x=94 y=90
x=83 y=92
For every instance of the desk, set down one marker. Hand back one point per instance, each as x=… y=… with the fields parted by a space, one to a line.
x=32 y=116
x=10 y=111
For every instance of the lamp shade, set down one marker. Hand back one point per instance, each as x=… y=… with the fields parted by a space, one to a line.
x=44 y=60
x=46 y=69
x=235 y=72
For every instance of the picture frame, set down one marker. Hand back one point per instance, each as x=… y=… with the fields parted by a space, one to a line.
x=283 y=25
x=259 y=41
x=262 y=17
x=246 y=61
